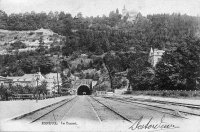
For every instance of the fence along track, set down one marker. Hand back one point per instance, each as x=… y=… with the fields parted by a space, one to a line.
x=168 y=102
x=141 y=100
x=111 y=109
x=33 y=112
x=140 y=103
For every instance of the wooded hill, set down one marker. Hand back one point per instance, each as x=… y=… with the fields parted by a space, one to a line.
x=177 y=34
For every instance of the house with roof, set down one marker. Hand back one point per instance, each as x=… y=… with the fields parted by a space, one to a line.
x=32 y=80
x=5 y=81
x=131 y=15
x=155 y=56
x=53 y=82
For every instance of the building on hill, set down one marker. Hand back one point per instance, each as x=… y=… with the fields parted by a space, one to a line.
x=84 y=56
x=53 y=81
x=155 y=56
x=131 y=15
x=5 y=81
x=32 y=80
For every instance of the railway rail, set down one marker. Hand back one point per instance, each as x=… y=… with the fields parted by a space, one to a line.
x=44 y=111
x=68 y=109
x=41 y=114
x=112 y=110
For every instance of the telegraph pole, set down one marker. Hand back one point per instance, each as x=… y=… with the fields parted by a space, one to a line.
x=37 y=79
x=37 y=89
x=57 y=78
x=58 y=82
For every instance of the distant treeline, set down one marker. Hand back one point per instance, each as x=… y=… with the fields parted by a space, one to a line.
x=153 y=30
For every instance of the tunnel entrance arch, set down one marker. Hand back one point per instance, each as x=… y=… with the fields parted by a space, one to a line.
x=83 y=90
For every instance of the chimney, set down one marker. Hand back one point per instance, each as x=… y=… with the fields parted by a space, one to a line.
x=39 y=71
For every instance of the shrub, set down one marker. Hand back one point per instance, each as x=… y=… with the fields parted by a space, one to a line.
x=165 y=94
x=31 y=33
x=196 y=94
x=184 y=94
x=127 y=92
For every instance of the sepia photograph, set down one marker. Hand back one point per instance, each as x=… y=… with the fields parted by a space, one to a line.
x=99 y=65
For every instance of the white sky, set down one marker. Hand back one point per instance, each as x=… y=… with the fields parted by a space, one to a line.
x=100 y=7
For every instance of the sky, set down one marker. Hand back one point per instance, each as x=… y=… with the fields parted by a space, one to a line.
x=100 y=7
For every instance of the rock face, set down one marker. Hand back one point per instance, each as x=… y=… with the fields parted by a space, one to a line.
x=30 y=38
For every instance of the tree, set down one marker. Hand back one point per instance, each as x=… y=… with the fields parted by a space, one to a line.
x=42 y=89
x=112 y=65
x=138 y=70
x=117 y=11
x=114 y=18
x=96 y=77
x=3 y=92
x=79 y=15
x=180 y=69
x=3 y=20
x=18 y=45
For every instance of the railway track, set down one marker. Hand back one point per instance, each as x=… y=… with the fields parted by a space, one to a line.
x=40 y=113
x=103 y=110
x=192 y=106
x=65 y=109
x=96 y=113
x=141 y=102
x=112 y=110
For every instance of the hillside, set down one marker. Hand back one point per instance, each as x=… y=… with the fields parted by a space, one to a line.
x=30 y=38
x=109 y=44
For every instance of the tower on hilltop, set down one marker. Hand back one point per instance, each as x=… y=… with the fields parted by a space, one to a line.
x=124 y=11
x=132 y=14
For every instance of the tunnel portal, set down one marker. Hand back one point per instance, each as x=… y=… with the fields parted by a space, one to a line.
x=83 y=90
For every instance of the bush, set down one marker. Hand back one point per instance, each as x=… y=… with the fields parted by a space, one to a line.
x=127 y=92
x=153 y=93
x=196 y=94
x=165 y=94
x=184 y=94
x=31 y=33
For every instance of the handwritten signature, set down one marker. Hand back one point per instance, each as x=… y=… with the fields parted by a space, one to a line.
x=152 y=126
